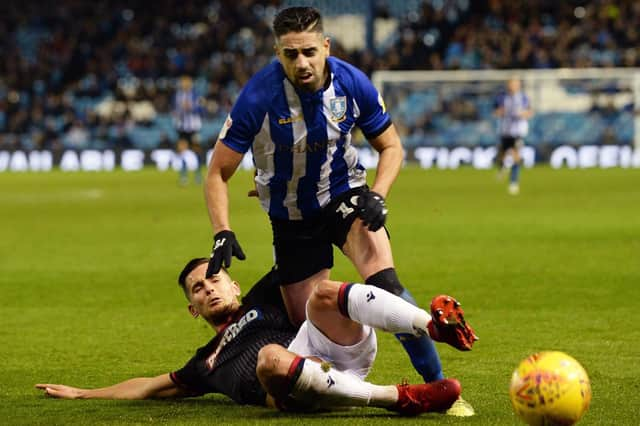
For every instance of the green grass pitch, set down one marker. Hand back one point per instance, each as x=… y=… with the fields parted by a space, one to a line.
x=88 y=265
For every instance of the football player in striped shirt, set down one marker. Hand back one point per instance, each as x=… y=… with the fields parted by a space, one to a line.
x=187 y=116
x=297 y=117
x=513 y=111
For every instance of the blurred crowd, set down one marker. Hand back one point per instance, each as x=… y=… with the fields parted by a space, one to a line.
x=79 y=74
x=498 y=34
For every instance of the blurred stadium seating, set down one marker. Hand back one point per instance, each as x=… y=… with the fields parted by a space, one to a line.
x=573 y=107
x=101 y=74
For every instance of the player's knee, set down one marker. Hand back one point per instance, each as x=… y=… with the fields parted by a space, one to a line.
x=324 y=296
x=267 y=359
x=269 y=363
x=272 y=369
x=387 y=279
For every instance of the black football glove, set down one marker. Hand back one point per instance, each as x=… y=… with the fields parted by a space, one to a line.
x=225 y=245
x=372 y=210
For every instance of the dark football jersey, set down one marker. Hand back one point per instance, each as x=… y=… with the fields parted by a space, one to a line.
x=227 y=364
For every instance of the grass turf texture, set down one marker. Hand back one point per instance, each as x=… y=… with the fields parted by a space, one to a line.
x=89 y=294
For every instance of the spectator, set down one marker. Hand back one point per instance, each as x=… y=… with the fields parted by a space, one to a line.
x=72 y=49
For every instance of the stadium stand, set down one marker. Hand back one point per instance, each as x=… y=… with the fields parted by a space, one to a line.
x=101 y=74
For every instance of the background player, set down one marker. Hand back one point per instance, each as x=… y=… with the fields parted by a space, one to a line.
x=187 y=118
x=297 y=116
x=250 y=348
x=514 y=111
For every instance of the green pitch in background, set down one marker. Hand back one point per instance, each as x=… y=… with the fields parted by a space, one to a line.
x=88 y=292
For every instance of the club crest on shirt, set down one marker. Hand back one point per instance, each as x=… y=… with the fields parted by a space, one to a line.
x=338 y=107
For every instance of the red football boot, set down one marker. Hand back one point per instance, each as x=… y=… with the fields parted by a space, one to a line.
x=427 y=397
x=447 y=324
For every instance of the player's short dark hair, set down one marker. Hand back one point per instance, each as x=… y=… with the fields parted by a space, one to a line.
x=190 y=266
x=297 y=19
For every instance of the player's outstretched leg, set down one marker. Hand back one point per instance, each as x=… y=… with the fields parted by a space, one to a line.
x=377 y=308
x=427 y=397
x=383 y=310
x=300 y=384
x=421 y=350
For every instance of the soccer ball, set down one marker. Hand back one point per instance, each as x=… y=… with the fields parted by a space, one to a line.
x=550 y=388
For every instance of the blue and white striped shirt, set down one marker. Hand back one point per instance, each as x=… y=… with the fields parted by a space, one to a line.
x=511 y=124
x=301 y=141
x=187 y=111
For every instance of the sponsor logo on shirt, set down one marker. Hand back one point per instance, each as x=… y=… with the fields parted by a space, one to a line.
x=287 y=120
x=306 y=146
x=230 y=333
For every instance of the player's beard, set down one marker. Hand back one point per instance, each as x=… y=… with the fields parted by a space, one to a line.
x=315 y=82
x=224 y=315
x=306 y=85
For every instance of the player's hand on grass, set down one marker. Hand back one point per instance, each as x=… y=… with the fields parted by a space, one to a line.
x=372 y=210
x=60 y=391
x=225 y=245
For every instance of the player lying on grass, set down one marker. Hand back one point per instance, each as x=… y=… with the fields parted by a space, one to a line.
x=257 y=358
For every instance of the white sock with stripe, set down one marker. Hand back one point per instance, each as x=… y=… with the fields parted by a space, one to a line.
x=375 y=307
x=320 y=386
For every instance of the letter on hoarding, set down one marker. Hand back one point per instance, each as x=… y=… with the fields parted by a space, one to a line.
x=588 y=156
x=40 y=161
x=458 y=156
x=564 y=154
x=162 y=158
x=69 y=162
x=132 y=160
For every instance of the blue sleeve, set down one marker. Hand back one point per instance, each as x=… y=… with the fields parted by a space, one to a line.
x=525 y=101
x=374 y=118
x=497 y=103
x=245 y=120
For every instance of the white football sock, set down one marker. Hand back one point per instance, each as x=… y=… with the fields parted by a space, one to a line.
x=333 y=388
x=375 y=307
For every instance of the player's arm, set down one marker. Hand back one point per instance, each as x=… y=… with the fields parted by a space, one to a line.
x=223 y=165
x=234 y=140
x=137 y=388
x=391 y=153
x=498 y=106
x=371 y=207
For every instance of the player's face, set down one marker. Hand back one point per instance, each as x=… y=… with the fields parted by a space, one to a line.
x=513 y=85
x=215 y=298
x=304 y=58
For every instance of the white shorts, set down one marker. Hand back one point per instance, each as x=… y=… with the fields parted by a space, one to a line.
x=356 y=359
